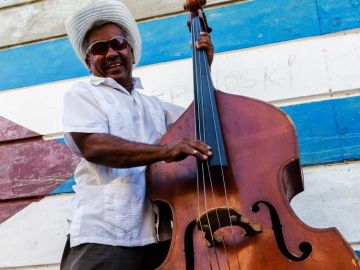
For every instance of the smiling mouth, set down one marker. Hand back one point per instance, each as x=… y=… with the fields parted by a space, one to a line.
x=115 y=65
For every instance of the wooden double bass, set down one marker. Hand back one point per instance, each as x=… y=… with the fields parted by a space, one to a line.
x=233 y=211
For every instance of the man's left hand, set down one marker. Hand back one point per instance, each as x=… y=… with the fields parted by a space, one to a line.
x=205 y=43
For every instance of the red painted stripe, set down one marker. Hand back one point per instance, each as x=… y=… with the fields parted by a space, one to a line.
x=33 y=168
x=10 y=208
x=11 y=131
x=30 y=167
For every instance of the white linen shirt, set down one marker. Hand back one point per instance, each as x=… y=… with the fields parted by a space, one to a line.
x=110 y=205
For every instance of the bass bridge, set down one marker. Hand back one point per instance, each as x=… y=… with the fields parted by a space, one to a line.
x=215 y=219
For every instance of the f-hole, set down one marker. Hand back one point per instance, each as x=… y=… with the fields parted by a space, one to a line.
x=164 y=221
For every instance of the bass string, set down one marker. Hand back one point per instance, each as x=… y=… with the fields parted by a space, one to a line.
x=199 y=97
x=205 y=167
x=196 y=116
x=202 y=136
x=222 y=174
x=203 y=57
x=203 y=69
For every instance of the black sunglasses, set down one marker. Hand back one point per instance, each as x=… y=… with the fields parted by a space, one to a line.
x=102 y=46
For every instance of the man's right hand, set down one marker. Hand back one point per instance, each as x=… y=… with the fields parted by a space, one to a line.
x=115 y=152
x=180 y=149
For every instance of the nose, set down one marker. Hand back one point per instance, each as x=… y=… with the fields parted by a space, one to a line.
x=111 y=52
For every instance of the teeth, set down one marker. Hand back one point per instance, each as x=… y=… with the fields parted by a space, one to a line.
x=115 y=65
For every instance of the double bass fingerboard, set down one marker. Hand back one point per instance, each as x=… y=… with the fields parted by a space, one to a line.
x=208 y=127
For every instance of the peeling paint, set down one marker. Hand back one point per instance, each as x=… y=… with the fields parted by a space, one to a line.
x=29 y=168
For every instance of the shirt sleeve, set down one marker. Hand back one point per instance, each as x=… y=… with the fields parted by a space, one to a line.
x=82 y=112
x=172 y=112
x=72 y=145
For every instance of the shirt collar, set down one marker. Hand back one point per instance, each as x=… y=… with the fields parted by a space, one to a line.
x=94 y=80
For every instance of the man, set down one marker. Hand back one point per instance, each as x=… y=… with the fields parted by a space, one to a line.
x=116 y=131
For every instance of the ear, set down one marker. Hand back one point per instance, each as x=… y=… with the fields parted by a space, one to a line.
x=87 y=61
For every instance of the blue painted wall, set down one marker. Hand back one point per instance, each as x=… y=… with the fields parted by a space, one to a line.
x=316 y=125
x=328 y=131
x=65 y=187
x=338 y=15
x=237 y=26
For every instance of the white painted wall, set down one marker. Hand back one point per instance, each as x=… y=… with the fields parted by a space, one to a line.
x=30 y=19
x=331 y=198
x=36 y=235
x=10 y=3
x=284 y=73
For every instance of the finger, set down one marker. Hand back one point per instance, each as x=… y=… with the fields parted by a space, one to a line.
x=201 y=147
x=203 y=44
x=199 y=155
x=193 y=146
x=188 y=150
x=204 y=37
x=205 y=34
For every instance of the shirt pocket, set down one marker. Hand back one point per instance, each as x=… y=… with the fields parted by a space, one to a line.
x=123 y=207
x=89 y=209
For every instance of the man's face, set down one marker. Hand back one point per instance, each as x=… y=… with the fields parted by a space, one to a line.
x=116 y=64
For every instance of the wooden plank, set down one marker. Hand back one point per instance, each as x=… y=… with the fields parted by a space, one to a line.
x=328 y=132
x=330 y=199
x=29 y=167
x=285 y=71
x=338 y=15
x=66 y=187
x=348 y=122
x=36 y=235
x=288 y=70
x=10 y=3
x=316 y=126
x=167 y=39
x=34 y=168
x=25 y=23
x=11 y=131
x=10 y=208
x=41 y=107
x=156 y=8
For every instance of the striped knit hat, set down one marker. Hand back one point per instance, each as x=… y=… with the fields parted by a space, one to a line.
x=79 y=23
